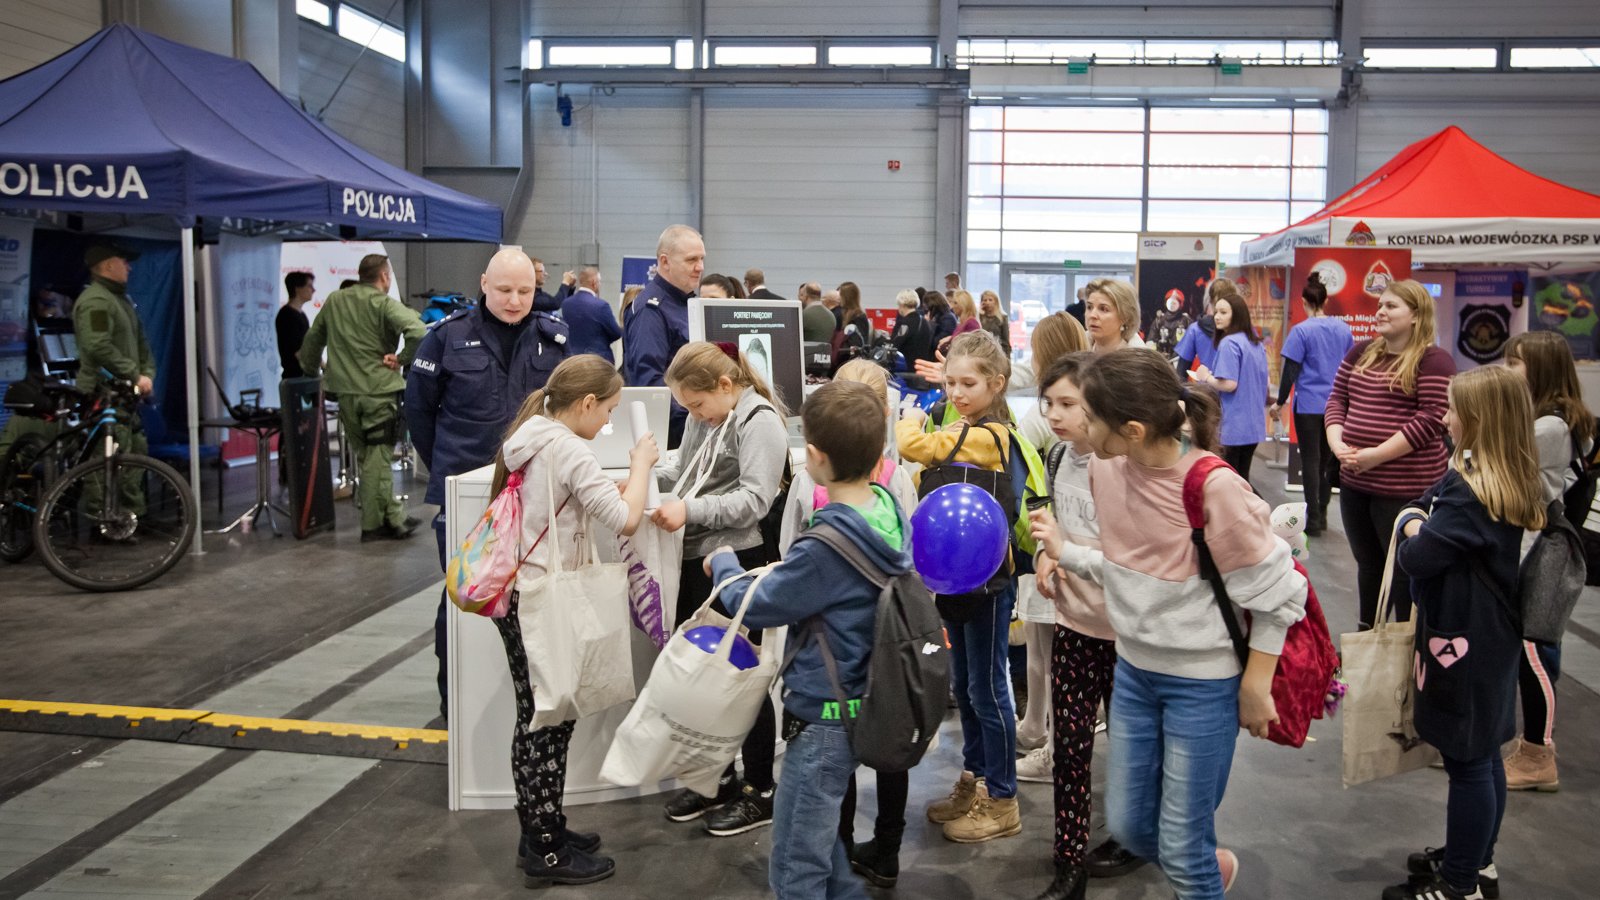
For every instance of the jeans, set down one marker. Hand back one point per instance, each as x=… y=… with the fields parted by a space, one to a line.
x=1171 y=751
x=1472 y=820
x=1368 y=526
x=1312 y=434
x=808 y=859
x=980 y=671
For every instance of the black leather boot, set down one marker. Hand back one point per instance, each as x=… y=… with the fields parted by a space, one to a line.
x=552 y=860
x=1111 y=860
x=1070 y=883
x=587 y=841
x=878 y=860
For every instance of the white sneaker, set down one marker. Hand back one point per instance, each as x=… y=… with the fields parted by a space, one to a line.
x=1038 y=765
x=1026 y=745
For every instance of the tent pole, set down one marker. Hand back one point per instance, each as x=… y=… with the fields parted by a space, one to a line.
x=191 y=359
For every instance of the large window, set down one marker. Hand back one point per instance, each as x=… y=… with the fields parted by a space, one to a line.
x=1048 y=185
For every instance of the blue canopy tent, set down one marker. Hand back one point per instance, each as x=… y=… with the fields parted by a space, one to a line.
x=130 y=123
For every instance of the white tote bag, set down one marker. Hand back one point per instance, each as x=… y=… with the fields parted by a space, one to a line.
x=1379 y=737
x=575 y=631
x=696 y=708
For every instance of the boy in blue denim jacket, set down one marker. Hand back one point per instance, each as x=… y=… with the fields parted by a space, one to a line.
x=814 y=585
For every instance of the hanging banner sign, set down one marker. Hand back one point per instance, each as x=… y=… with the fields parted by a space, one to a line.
x=1176 y=267
x=1490 y=307
x=16 y=265
x=250 y=290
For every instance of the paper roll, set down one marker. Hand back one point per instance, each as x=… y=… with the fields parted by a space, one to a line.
x=640 y=422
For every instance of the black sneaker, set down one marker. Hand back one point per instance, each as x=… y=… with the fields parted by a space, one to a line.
x=386 y=532
x=1428 y=861
x=749 y=812
x=587 y=841
x=687 y=805
x=1111 y=860
x=564 y=864
x=1428 y=887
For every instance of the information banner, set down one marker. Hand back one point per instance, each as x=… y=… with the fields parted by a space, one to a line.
x=330 y=263
x=1354 y=276
x=250 y=291
x=1490 y=306
x=1565 y=304
x=1173 y=265
x=1265 y=291
x=16 y=264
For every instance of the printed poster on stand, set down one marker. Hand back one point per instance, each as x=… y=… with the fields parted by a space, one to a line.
x=1355 y=278
x=16 y=264
x=1176 y=266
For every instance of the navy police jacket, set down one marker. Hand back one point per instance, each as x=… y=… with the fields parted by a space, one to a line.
x=657 y=328
x=461 y=396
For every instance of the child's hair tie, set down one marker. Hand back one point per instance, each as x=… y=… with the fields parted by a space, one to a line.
x=730 y=349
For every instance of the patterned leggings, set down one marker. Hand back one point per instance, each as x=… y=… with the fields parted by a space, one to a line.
x=1080 y=678
x=538 y=756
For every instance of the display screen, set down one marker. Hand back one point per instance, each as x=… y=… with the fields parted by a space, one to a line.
x=767 y=332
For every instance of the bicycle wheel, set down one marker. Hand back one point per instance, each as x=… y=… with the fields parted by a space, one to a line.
x=19 y=496
x=115 y=539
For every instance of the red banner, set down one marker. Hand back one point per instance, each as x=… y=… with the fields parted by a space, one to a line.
x=1354 y=276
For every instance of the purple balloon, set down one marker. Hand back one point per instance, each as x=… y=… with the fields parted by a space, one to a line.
x=959 y=538
x=707 y=637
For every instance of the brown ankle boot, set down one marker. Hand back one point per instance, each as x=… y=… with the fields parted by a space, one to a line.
x=956 y=805
x=1532 y=768
x=988 y=819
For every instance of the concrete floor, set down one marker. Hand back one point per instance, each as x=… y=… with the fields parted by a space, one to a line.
x=334 y=629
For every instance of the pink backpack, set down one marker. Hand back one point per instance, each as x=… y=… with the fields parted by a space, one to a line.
x=885 y=472
x=481 y=573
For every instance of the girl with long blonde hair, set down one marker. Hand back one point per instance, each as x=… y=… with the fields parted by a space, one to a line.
x=1462 y=547
x=1385 y=428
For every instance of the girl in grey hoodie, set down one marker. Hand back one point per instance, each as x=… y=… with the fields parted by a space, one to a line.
x=727 y=475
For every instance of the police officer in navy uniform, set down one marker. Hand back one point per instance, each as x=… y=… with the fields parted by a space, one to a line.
x=659 y=325
x=472 y=372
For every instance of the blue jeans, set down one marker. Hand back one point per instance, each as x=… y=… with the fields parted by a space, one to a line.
x=808 y=858
x=1171 y=750
x=979 y=670
x=1472 y=817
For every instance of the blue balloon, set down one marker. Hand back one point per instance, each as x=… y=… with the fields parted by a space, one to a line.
x=959 y=536
x=707 y=637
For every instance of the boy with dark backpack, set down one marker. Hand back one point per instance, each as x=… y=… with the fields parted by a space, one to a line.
x=831 y=600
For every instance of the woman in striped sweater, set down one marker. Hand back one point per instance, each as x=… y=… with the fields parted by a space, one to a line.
x=1385 y=420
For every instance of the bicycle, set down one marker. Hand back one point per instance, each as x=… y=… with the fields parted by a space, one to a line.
x=101 y=518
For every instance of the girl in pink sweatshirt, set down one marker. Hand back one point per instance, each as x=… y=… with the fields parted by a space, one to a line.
x=1181 y=697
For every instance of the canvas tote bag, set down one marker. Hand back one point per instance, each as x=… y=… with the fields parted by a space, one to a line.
x=575 y=631
x=696 y=708
x=1380 y=738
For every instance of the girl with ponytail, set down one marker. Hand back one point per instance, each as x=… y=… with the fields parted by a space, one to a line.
x=726 y=478
x=548 y=444
x=1181 y=695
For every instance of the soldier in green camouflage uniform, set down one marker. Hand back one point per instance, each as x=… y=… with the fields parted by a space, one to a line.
x=110 y=337
x=360 y=326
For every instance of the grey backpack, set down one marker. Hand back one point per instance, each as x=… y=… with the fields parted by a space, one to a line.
x=1549 y=581
x=908 y=675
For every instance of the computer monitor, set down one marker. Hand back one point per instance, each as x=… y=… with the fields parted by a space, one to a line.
x=767 y=332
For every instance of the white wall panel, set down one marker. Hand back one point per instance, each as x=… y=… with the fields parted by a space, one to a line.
x=32 y=31
x=1312 y=19
x=797 y=184
x=1555 y=141
x=370 y=109
x=610 y=18
x=822 y=18
x=642 y=161
x=1494 y=19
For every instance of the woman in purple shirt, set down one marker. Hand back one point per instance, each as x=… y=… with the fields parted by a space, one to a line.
x=1311 y=357
x=1240 y=377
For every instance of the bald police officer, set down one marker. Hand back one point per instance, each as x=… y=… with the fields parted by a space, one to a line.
x=469 y=377
x=659 y=324
x=360 y=326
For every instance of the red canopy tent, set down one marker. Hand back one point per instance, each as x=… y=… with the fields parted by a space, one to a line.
x=1452 y=201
